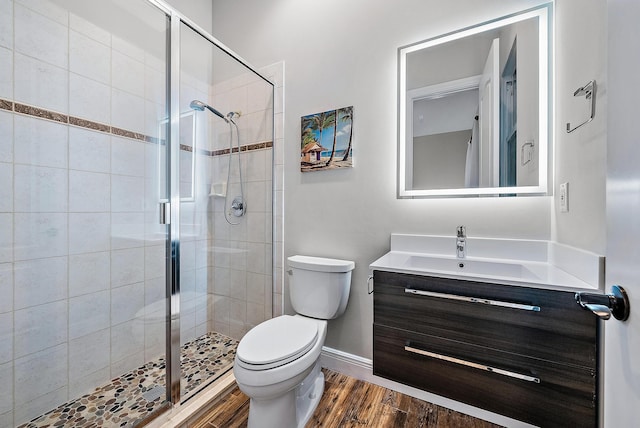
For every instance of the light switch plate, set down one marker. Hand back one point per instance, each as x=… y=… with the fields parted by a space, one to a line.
x=564 y=197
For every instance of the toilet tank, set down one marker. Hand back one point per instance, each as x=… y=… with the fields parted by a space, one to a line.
x=319 y=287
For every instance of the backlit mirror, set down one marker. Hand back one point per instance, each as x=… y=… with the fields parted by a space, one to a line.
x=473 y=110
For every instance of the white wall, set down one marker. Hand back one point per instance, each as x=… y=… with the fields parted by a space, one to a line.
x=337 y=55
x=581 y=157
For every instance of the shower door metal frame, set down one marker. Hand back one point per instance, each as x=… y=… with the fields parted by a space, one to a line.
x=173 y=391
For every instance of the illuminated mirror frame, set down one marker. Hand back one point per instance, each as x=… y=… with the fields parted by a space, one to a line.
x=544 y=105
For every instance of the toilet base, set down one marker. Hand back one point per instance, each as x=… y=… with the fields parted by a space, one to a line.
x=291 y=410
x=308 y=395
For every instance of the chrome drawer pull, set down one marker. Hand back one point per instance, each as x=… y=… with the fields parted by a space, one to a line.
x=474 y=300
x=474 y=365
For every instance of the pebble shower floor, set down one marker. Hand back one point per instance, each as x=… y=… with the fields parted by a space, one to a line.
x=124 y=401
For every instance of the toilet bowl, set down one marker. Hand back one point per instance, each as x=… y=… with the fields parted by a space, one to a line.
x=277 y=362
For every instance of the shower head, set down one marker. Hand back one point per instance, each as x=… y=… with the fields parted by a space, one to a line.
x=199 y=105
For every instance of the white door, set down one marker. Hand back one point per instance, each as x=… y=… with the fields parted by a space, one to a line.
x=489 y=118
x=622 y=339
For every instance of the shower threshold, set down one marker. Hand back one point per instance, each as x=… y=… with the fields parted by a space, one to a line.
x=139 y=394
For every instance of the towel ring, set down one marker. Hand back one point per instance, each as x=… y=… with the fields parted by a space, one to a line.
x=589 y=91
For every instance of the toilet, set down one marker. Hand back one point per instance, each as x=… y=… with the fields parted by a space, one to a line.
x=277 y=362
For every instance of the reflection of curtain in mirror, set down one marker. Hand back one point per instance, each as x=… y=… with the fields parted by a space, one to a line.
x=471 y=177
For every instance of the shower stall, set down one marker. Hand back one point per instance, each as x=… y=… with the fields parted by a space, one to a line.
x=136 y=247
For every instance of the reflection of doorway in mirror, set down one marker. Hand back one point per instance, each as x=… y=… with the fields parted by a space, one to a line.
x=442 y=120
x=489 y=121
x=508 y=120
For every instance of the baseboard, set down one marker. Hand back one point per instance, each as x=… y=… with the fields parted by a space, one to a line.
x=362 y=369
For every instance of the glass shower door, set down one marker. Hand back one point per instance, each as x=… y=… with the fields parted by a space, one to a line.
x=82 y=255
x=226 y=139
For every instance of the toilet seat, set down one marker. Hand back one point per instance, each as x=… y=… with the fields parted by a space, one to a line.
x=276 y=342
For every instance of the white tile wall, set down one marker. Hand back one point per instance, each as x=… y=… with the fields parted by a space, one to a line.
x=89 y=313
x=6 y=72
x=127 y=302
x=89 y=29
x=127 y=111
x=39 y=235
x=42 y=142
x=40 y=84
x=6 y=334
x=6 y=137
x=29 y=382
x=128 y=73
x=89 y=191
x=127 y=157
x=127 y=230
x=89 y=150
x=87 y=354
x=40 y=189
x=127 y=266
x=86 y=384
x=89 y=57
x=33 y=335
x=40 y=37
x=89 y=99
x=40 y=281
x=39 y=405
x=127 y=193
x=6 y=190
x=6 y=394
x=6 y=288
x=130 y=362
x=89 y=273
x=6 y=238
x=6 y=23
x=48 y=9
x=89 y=232
x=127 y=340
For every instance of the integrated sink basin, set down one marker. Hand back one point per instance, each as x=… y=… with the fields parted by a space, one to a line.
x=541 y=264
x=470 y=267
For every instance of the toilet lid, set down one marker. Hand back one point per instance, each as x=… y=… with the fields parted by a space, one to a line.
x=277 y=341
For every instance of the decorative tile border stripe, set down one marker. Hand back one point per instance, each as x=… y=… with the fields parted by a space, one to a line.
x=83 y=123
x=129 y=134
x=101 y=127
x=6 y=105
x=40 y=113
x=245 y=148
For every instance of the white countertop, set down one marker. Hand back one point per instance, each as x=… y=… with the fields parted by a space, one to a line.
x=540 y=264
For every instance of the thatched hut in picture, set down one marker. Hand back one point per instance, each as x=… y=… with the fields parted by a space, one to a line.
x=311 y=152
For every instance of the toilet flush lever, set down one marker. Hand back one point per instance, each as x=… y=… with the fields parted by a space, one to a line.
x=605 y=305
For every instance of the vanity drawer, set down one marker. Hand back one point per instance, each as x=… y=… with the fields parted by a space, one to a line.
x=536 y=391
x=545 y=324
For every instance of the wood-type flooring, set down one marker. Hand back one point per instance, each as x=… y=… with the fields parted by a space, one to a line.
x=348 y=402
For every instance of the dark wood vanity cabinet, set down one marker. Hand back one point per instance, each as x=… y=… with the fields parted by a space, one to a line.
x=527 y=353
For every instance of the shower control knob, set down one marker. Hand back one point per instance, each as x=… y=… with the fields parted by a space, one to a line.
x=238 y=206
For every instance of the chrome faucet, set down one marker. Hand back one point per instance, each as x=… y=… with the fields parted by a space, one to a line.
x=461 y=242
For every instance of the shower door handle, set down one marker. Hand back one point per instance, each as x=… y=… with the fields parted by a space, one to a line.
x=165 y=212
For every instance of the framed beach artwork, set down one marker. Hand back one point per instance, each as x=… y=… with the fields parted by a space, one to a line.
x=326 y=140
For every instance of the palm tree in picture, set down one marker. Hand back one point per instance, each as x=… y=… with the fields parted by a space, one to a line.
x=335 y=136
x=347 y=116
x=307 y=137
x=318 y=122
